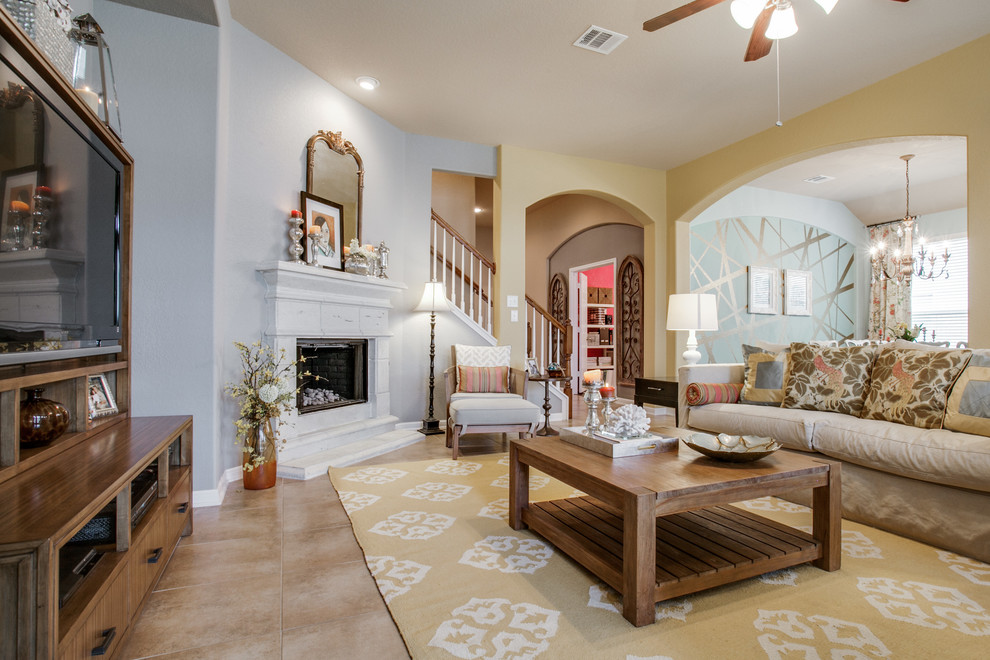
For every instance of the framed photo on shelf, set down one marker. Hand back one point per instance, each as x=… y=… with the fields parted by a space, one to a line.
x=797 y=292
x=100 y=397
x=532 y=368
x=763 y=291
x=18 y=186
x=323 y=229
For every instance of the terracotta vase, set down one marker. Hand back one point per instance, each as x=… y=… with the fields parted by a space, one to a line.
x=42 y=420
x=263 y=474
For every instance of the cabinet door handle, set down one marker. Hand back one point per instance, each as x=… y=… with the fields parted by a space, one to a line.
x=156 y=554
x=108 y=636
x=183 y=507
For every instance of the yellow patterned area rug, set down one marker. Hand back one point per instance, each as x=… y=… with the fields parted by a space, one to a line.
x=460 y=583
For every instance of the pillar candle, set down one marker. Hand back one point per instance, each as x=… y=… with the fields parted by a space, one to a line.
x=592 y=376
x=607 y=392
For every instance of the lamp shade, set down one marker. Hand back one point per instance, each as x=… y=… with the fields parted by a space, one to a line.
x=782 y=22
x=744 y=12
x=827 y=5
x=692 y=311
x=434 y=298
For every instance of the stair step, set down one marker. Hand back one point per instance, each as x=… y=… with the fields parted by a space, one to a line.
x=314 y=465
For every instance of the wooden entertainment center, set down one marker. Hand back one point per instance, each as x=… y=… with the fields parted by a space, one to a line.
x=88 y=521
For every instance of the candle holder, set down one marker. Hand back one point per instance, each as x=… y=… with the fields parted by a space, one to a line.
x=295 y=235
x=607 y=411
x=593 y=398
x=16 y=231
x=38 y=236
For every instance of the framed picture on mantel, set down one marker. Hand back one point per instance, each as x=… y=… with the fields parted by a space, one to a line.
x=323 y=231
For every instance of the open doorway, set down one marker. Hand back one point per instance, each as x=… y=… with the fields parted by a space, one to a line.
x=592 y=314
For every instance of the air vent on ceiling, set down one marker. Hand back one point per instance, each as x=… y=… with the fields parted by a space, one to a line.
x=821 y=178
x=600 y=40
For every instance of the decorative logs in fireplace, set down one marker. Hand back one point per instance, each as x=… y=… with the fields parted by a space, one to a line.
x=338 y=371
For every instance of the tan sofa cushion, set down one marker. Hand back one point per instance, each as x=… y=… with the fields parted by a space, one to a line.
x=935 y=455
x=791 y=428
x=766 y=373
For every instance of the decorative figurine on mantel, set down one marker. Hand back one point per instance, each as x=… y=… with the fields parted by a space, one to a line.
x=381 y=252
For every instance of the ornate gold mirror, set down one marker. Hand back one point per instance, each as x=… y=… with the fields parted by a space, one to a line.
x=334 y=171
x=22 y=124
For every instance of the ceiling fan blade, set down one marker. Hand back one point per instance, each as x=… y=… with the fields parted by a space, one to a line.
x=674 y=15
x=759 y=45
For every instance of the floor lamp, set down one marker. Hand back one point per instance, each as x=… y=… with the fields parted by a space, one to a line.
x=691 y=312
x=434 y=300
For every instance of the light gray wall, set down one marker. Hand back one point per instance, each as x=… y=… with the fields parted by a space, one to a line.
x=217 y=121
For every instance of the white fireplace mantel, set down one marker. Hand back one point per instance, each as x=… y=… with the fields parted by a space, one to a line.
x=304 y=301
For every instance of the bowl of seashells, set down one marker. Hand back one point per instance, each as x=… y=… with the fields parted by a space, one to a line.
x=734 y=448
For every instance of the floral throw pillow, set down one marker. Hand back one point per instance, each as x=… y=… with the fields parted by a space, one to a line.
x=829 y=379
x=910 y=386
x=765 y=373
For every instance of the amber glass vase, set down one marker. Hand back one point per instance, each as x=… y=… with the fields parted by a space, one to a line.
x=42 y=420
x=262 y=445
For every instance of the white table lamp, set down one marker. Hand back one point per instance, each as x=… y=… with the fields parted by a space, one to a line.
x=692 y=312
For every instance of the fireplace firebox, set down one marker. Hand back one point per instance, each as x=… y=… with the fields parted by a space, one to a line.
x=331 y=373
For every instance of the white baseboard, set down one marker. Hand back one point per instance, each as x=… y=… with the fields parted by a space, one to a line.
x=215 y=497
x=412 y=426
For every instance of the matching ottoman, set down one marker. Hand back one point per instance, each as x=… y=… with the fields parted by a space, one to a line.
x=498 y=413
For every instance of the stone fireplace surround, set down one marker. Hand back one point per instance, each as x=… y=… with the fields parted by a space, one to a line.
x=308 y=302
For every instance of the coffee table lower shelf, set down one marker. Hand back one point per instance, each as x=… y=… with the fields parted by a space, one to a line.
x=695 y=550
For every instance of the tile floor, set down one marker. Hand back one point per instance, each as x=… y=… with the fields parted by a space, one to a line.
x=277 y=574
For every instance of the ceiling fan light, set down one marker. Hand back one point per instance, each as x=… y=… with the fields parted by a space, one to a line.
x=782 y=22
x=744 y=12
x=827 y=5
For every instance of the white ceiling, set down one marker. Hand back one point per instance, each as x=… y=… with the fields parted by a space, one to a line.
x=505 y=72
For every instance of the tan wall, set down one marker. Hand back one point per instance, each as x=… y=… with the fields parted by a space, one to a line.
x=453 y=200
x=553 y=222
x=526 y=177
x=947 y=95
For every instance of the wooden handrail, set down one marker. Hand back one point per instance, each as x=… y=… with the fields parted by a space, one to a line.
x=460 y=239
x=557 y=324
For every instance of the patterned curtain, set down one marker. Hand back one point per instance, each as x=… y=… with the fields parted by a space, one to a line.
x=890 y=302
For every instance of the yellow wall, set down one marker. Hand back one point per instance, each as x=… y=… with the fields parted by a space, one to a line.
x=527 y=176
x=947 y=95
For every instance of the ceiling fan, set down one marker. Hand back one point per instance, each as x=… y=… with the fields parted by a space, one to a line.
x=770 y=20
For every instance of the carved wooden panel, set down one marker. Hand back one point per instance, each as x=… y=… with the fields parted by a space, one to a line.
x=629 y=319
x=558 y=298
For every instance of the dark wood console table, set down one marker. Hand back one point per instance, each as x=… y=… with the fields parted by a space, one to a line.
x=658 y=391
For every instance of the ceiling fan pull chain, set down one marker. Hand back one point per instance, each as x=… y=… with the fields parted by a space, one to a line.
x=779 y=123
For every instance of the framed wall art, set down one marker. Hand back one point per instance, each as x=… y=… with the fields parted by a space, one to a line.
x=100 y=397
x=797 y=292
x=763 y=289
x=18 y=186
x=323 y=220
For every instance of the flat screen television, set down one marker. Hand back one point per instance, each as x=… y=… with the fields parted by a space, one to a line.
x=60 y=242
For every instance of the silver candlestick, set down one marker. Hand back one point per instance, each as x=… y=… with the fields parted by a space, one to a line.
x=382 y=253
x=593 y=398
x=295 y=235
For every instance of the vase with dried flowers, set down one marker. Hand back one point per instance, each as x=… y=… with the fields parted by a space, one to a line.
x=267 y=389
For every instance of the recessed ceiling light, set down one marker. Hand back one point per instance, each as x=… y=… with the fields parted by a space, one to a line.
x=367 y=82
x=477 y=209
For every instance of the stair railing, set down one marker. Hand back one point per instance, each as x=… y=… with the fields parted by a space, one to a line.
x=466 y=274
x=548 y=340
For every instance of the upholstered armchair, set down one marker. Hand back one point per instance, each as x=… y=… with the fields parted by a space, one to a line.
x=485 y=395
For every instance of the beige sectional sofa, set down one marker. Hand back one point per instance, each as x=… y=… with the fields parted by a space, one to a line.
x=932 y=485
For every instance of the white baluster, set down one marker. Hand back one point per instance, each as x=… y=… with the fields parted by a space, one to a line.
x=471 y=289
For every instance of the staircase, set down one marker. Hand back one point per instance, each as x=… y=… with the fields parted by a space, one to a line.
x=467 y=276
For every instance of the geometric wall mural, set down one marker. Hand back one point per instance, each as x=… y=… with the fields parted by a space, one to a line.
x=721 y=250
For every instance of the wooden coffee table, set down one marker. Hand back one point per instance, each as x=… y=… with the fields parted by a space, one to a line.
x=659 y=526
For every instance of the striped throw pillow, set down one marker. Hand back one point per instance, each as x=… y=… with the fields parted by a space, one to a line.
x=698 y=394
x=483 y=379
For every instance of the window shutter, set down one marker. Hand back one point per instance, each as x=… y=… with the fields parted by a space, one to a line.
x=942 y=305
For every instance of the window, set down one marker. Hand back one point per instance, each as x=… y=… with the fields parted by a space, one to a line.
x=942 y=305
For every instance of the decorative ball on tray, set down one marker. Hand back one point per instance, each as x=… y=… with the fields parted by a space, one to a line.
x=733 y=448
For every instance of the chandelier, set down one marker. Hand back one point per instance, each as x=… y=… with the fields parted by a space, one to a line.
x=905 y=263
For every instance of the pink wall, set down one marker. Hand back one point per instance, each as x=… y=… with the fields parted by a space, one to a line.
x=603 y=276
